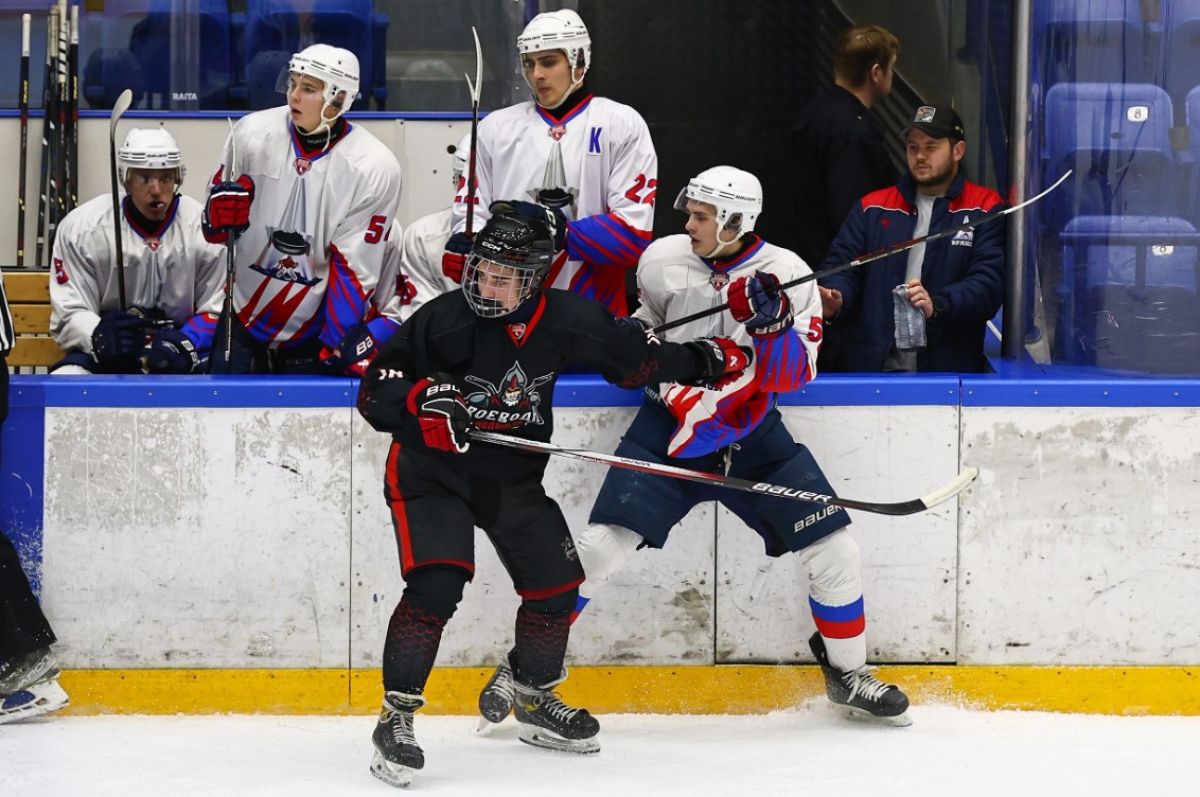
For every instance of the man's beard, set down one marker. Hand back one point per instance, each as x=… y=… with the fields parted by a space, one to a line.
x=935 y=178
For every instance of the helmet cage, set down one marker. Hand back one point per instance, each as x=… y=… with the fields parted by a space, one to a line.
x=510 y=252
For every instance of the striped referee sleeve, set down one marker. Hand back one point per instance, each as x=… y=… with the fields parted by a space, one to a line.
x=8 y=333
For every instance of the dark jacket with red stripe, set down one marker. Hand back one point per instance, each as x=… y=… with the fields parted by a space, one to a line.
x=964 y=274
x=507 y=371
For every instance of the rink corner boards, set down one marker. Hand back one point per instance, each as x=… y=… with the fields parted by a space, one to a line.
x=720 y=689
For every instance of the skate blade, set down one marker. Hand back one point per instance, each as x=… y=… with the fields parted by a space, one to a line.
x=33 y=702
x=486 y=726
x=540 y=737
x=862 y=715
x=392 y=774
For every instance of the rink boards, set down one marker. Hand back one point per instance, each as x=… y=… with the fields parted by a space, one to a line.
x=223 y=545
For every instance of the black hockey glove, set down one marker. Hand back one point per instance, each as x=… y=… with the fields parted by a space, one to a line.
x=172 y=352
x=120 y=334
x=723 y=360
x=442 y=413
x=759 y=304
x=458 y=247
x=550 y=215
x=555 y=198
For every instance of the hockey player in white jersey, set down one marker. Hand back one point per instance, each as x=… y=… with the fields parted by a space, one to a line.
x=173 y=277
x=589 y=157
x=309 y=201
x=412 y=270
x=735 y=429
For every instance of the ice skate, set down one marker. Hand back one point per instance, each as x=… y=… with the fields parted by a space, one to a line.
x=29 y=686
x=863 y=695
x=545 y=721
x=397 y=754
x=496 y=697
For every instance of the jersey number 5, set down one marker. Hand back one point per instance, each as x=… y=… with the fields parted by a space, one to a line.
x=375 y=230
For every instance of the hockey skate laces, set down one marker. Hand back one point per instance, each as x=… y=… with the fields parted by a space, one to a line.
x=553 y=705
x=401 y=727
x=863 y=682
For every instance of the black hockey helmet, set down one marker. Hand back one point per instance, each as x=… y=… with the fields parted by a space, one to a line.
x=510 y=257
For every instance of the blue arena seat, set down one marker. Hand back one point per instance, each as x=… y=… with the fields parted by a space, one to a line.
x=1128 y=296
x=1181 y=49
x=1100 y=40
x=107 y=73
x=146 y=31
x=290 y=25
x=1192 y=117
x=1116 y=137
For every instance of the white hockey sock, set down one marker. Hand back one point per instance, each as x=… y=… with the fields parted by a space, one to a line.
x=835 y=597
x=603 y=549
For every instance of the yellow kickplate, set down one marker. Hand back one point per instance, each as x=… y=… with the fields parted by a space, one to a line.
x=725 y=689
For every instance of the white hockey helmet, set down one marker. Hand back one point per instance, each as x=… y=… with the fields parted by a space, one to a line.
x=150 y=148
x=736 y=195
x=559 y=30
x=462 y=159
x=336 y=67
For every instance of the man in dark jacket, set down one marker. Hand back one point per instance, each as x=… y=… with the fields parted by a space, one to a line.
x=956 y=283
x=839 y=151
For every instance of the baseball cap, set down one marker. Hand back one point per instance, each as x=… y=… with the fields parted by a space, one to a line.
x=939 y=121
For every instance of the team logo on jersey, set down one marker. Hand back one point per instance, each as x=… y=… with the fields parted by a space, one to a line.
x=60 y=273
x=963 y=237
x=302 y=166
x=718 y=280
x=153 y=243
x=556 y=132
x=517 y=331
x=512 y=403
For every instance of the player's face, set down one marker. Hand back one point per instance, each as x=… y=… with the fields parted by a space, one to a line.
x=933 y=162
x=549 y=74
x=500 y=284
x=702 y=227
x=151 y=191
x=305 y=97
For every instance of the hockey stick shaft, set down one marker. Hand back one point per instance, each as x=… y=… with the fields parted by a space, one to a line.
x=47 y=123
x=119 y=108
x=474 y=89
x=73 y=115
x=24 y=102
x=230 y=257
x=944 y=493
x=878 y=254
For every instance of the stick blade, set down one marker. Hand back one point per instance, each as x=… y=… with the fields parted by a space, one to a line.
x=952 y=489
x=124 y=100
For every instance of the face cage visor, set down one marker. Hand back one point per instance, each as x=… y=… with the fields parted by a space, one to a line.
x=494 y=290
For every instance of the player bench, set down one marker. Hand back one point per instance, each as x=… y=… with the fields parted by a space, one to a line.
x=28 y=292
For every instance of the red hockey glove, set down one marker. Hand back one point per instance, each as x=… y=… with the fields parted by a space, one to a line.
x=227 y=211
x=455 y=256
x=758 y=303
x=723 y=360
x=442 y=413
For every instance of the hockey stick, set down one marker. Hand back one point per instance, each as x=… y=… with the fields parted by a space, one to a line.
x=119 y=108
x=878 y=254
x=473 y=88
x=24 y=101
x=230 y=259
x=45 y=222
x=947 y=491
x=73 y=111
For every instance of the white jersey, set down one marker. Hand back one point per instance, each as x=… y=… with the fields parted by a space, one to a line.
x=609 y=166
x=415 y=265
x=310 y=262
x=673 y=283
x=172 y=269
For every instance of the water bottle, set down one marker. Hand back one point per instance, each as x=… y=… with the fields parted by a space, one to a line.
x=910 y=322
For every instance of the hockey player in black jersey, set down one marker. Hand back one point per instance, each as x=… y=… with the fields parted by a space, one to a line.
x=488 y=357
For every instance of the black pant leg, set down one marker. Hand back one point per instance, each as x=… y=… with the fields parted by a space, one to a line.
x=23 y=627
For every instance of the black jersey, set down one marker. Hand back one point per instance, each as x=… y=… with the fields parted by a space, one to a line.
x=507 y=371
